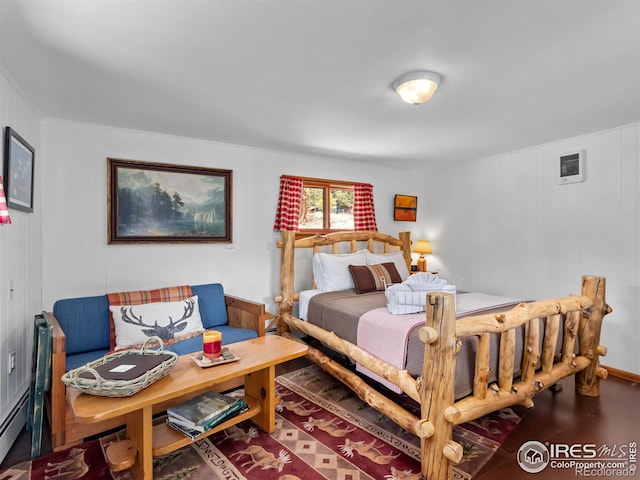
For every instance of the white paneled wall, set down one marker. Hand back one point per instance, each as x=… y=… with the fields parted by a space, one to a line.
x=77 y=260
x=507 y=227
x=20 y=266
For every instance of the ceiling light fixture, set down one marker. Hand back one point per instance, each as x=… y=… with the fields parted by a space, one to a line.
x=417 y=87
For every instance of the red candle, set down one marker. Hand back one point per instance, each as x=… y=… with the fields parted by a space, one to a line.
x=212 y=343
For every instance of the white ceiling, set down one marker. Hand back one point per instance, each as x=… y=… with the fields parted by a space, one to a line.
x=314 y=76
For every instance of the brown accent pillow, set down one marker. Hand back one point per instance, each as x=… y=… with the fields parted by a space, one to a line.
x=369 y=278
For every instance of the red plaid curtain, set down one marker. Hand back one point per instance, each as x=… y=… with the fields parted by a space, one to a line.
x=4 y=211
x=364 y=213
x=288 y=212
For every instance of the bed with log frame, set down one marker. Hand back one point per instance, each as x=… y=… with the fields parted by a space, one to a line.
x=569 y=344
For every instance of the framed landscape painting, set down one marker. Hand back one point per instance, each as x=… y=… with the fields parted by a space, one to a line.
x=162 y=203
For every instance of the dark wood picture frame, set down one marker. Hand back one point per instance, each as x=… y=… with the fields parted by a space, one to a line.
x=163 y=203
x=19 y=158
x=405 y=208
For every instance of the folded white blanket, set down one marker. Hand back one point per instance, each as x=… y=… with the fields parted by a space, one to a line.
x=424 y=279
x=410 y=296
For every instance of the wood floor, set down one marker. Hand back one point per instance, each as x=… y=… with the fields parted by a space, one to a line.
x=565 y=417
x=569 y=418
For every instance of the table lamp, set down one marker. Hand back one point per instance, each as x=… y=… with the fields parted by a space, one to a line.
x=422 y=247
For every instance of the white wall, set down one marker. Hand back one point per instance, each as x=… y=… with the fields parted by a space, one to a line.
x=507 y=227
x=20 y=260
x=77 y=260
x=503 y=222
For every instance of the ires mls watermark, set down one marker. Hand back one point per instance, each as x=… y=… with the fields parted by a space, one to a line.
x=584 y=459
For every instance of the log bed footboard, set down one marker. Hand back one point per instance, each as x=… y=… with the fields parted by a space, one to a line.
x=582 y=317
x=577 y=317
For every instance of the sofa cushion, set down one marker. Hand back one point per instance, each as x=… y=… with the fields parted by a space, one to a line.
x=190 y=345
x=85 y=322
x=230 y=335
x=81 y=359
x=213 y=309
x=171 y=321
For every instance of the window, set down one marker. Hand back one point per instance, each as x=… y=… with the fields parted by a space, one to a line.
x=326 y=206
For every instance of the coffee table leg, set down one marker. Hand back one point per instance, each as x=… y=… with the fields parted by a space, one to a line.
x=140 y=432
x=262 y=386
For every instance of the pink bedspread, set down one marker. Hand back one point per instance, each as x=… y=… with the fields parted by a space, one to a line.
x=386 y=335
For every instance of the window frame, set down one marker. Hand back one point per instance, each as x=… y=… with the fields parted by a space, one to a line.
x=327 y=186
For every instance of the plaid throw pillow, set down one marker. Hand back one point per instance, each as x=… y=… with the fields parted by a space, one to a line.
x=138 y=297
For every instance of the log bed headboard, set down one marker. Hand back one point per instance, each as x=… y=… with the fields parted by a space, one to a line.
x=372 y=241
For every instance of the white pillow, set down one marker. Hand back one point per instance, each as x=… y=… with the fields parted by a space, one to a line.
x=331 y=271
x=396 y=257
x=171 y=321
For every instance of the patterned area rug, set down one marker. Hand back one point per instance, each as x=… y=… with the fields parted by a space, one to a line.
x=323 y=431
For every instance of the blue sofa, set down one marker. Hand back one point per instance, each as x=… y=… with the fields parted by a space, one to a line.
x=81 y=334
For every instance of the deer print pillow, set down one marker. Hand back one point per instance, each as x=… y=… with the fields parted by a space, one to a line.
x=171 y=321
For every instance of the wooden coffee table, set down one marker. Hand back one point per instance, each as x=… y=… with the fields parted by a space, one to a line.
x=258 y=358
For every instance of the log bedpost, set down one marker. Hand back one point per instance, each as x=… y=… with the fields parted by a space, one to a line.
x=286 y=280
x=590 y=325
x=436 y=389
x=405 y=237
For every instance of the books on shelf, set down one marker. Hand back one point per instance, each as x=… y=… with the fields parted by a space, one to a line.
x=192 y=433
x=201 y=408
x=189 y=432
x=204 y=411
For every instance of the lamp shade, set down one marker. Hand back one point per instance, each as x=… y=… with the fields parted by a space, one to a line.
x=417 y=87
x=422 y=247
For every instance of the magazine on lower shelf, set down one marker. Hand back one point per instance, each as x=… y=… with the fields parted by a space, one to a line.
x=192 y=433
x=189 y=432
x=201 y=409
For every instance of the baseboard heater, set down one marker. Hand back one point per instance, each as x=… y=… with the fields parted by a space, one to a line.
x=12 y=425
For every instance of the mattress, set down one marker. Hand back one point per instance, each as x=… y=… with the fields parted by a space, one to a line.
x=340 y=312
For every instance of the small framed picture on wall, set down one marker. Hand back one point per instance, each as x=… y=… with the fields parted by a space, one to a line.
x=405 y=208
x=18 y=171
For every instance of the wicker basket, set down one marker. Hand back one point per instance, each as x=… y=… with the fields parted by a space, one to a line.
x=120 y=388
